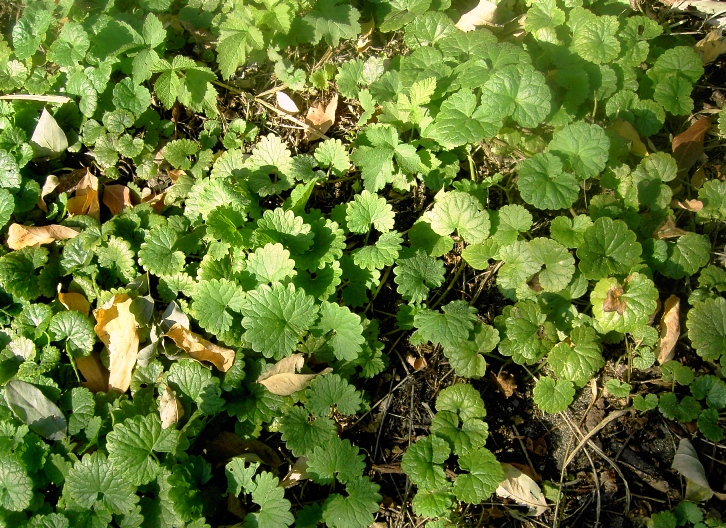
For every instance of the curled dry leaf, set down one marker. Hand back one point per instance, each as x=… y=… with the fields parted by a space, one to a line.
x=93 y=371
x=687 y=464
x=154 y=199
x=688 y=146
x=522 y=489
x=505 y=382
x=711 y=46
x=282 y=378
x=285 y=103
x=670 y=329
x=170 y=408
x=85 y=201
x=692 y=205
x=627 y=131
x=320 y=117
x=668 y=229
x=48 y=140
x=298 y=472
x=75 y=301
x=116 y=326
x=116 y=197
x=20 y=236
x=364 y=39
x=483 y=14
x=51 y=182
x=416 y=362
x=200 y=349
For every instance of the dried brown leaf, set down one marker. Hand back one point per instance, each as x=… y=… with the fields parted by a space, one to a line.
x=613 y=303
x=688 y=146
x=505 y=382
x=711 y=46
x=627 y=131
x=522 y=489
x=170 y=408
x=320 y=117
x=20 y=236
x=116 y=197
x=282 y=378
x=668 y=229
x=484 y=14
x=51 y=182
x=364 y=39
x=692 y=205
x=200 y=349
x=298 y=472
x=285 y=103
x=670 y=329
x=116 y=326
x=416 y=362
x=75 y=301
x=85 y=201
x=93 y=371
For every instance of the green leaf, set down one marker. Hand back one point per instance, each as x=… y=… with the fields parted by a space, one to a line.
x=519 y=266
x=197 y=384
x=553 y=396
x=459 y=122
x=708 y=425
x=368 y=210
x=131 y=443
x=7 y=206
x=645 y=403
x=380 y=146
x=271 y=263
x=274 y=507
x=423 y=462
x=29 y=32
x=460 y=212
x=381 y=254
x=617 y=388
x=516 y=90
x=674 y=93
x=623 y=306
x=303 y=432
x=416 y=275
x=35 y=409
x=433 y=503
x=712 y=194
x=428 y=29
x=16 y=487
x=466 y=358
x=579 y=359
x=686 y=256
x=712 y=389
x=663 y=519
x=238 y=36
x=528 y=336
x=471 y=435
x=158 y=254
x=239 y=475
x=343 y=328
x=216 y=303
x=335 y=459
x=333 y=20
x=463 y=400
x=483 y=477
x=558 y=264
x=71 y=45
x=508 y=222
x=583 y=147
x=332 y=154
x=449 y=328
x=76 y=329
x=609 y=248
x=595 y=40
x=478 y=255
x=94 y=483
x=10 y=178
x=357 y=509
x=543 y=183
x=332 y=391
x=684 y=411
x=288 y=229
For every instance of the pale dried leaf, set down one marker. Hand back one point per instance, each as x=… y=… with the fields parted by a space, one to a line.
x=692 y=205
x=298 y=472
x=320 y=117
x=687 y=464
x=668 y=229
x=711 y=46
x=364 y=39
x=670 y=329
x=688 y=146
x=116 y=326
x=416 y=362
x=289 y=365
x=155 y=200
x=627 y=131
x=20 y=236
x=75 y=301
x=523 y=490
x=93 y=371
x=48 y=140
x=483 y=14
x=505 y=382
x=116 y=197
x=285 y=103
x=200 y=349
x=170 y=408
x=85 y=201
x=60 y=99
x=51 y=182
x=282 y=378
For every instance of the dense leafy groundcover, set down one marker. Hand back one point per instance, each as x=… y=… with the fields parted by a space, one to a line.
x=170 y=265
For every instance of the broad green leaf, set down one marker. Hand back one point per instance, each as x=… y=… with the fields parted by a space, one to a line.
x=479 y=255
x=558 y=264
x=239 y=474
x=543 y=183
x=508 y=222
x=448 y=328
x=519 y=266
x=713 y=197
x=483 y=477
x=216 y=305
x=357 y=509
x=368 y=210
x=158 y=254
x=333 y=154
x=686 y=256
x=684 y=411
x=271 y=263
x=343 y=330
x=583 y=147
x=433 y=503
x=428 y=29
x=238 y=36
x=303 y=432
x=579 y=358
x=471 y=435
x=276 y=318
x=195 y=383
x=423 y=462
x=463 y=400
x=623 y=306
x=71 y=45
x=131 y=443
x=94 y=483
x=528 y=335
x=710 y=388
x=35 y=409
x=609 y=248
x=459 y=121
x=519 y=91
x=709 y=426
x=379 y=146
x=417 y=274
x=76 y=329
x=381 y=254
x=570 y=232
x=707 y=328
x=459 y=212
x=10 y=178
x=553 y=396
x=333 y=20
x=595 y=40
x=7 y=205
x=288 y=229
x=332 y=391
x=466 y=358
x=274 y=507
x=336 y=459
x=16 y=486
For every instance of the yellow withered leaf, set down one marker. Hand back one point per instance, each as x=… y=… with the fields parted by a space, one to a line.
x=20 y=236
x=116 y=326
x=200 y=349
